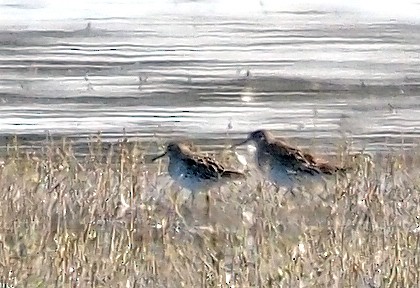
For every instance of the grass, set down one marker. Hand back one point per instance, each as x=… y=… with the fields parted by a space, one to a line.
x=107 y=220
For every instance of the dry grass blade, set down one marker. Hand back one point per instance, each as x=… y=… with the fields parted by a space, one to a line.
x=102 y=221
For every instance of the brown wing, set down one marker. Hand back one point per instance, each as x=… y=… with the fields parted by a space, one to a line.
x=200 y=169
x=324 y=166
x=295 y=152
x=219 y=169
x=213 y=164
x=309 y=161
x=204 y=167
x=293 y=158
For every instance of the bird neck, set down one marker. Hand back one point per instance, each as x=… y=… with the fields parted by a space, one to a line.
x=262 y=144
x=180 y=155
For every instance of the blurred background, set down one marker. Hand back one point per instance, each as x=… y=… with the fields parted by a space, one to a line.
x=315 y=71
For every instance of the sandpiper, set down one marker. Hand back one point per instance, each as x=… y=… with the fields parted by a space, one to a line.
x=195 y=172
x=285 y=165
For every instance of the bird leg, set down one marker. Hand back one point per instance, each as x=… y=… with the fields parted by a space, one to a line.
x=288 y=190
x=277 y=189
x=261 y=190
x=174 y=200
x=208 y=200
x=326 y=189
x=193 y=195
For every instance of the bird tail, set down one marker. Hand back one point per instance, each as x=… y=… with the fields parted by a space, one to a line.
x=310 y=169
x=331 y=169
x=233 y=175
x=324 y=167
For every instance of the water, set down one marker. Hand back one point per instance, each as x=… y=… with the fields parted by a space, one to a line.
x=207 y=70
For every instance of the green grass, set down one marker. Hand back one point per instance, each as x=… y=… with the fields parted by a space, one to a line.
x=98 y=221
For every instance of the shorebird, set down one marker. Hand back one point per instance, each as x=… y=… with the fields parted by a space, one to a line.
x=285 y=165
x=195 y=172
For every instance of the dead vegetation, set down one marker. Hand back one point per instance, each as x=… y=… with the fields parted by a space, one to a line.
x=107 y=221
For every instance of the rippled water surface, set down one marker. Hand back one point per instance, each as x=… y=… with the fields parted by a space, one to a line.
x=305 y=74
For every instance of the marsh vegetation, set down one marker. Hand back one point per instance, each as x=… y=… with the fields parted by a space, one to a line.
x=108 y=219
